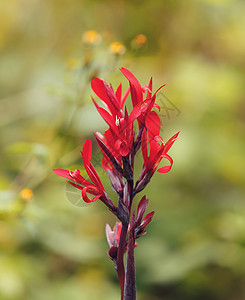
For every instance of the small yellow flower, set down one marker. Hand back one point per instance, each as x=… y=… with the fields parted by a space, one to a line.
x=26 y=194
x=71 y=63
x=91 y=37
x=117 y=48
x=140 y=39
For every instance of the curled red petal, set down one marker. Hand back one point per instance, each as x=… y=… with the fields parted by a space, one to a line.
x=91 y=188
x=86 y=198
x=166 y=168
x=157 y=106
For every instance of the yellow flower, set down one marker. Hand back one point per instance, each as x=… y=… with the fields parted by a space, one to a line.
x=26 y=194
x=91 y=37
x=117 y=48
x=140 y=39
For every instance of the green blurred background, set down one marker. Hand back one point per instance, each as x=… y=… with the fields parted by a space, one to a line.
x=53 y=246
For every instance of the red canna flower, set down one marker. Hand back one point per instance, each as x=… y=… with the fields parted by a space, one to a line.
x=153 y=121
x=120 y=135
x=121 y=129
x=119 y=147
x=95 y=187
x=112 y=101
x=158 y=151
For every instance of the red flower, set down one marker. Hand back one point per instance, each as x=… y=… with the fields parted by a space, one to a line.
x=148 y=117
x=121 y=129
x=158 y=151
x=112 y=101
x=95 y=187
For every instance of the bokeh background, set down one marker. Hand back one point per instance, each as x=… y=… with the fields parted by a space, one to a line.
x=52 y=245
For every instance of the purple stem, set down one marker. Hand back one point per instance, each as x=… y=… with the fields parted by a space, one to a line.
x=130 y=276
x=120 y=254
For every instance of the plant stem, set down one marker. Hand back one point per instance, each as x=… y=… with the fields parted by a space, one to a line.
x=130 y=277
x=120 y=254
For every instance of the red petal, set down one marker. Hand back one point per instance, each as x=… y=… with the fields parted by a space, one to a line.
x=124 y=149
x=119 y=92
x=170 y=142
x=118 y=232
x=74 y=176
x=144 y=147
x=153 y=124
x=94 y=176
x=159 y=89
x=139 y=109
x=91 y=188
x=135 y=87
x=87 y=152
x=85 y=197
x=98 y=86
x=150 y=88
x=63 y=173
x=108 y=153
x=166 y=168
x=106 y=163
x=107 y=117
x=157 y=106
x=106 y=94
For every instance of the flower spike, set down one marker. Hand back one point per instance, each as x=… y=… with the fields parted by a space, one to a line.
x=127 y=132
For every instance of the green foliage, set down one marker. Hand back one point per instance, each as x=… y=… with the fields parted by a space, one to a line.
x=53 y=248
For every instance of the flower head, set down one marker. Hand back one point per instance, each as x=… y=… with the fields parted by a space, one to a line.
x=158 y=151
x=91 y=37
x=117 y=48
x=95 y=187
